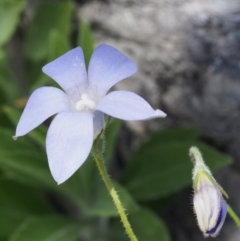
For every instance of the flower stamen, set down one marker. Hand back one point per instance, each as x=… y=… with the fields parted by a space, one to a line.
x=85 y=103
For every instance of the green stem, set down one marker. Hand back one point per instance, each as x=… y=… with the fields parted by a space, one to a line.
x=233 y=215
x=114 y=195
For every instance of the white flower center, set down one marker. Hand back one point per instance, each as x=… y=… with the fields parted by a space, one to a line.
x=85 y=103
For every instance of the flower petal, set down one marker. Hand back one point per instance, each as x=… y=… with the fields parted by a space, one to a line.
x=98 y=122
x=207 y=205
x=127 y=106
x=214 y=232
x=69 y=71
x=69 y=141
x=43 y=103
x=107 y=67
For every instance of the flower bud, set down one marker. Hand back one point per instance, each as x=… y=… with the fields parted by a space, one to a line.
x=209 y=205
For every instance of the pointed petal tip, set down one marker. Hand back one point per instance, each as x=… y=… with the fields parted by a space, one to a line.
x=68 y=70
x=59 y=182
x=15 y=137
x=58 y=178
x=61 y=178
x=44 y=69
x=159 y=113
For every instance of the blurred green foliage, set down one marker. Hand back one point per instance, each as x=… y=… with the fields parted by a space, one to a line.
x=9 y=17
x=32 y=206
x=48 y=17
x=19 y=202
x=54 y=228
x=167 y=170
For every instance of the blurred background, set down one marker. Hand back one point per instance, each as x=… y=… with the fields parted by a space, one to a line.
x=188 y=55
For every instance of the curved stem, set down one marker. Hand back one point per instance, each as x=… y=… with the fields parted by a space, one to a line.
x=233 y=215
x=114 y=195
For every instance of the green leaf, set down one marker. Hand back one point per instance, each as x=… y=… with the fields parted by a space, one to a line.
x=9 y=17
x=102 y=203
x=146 y=226
x=18 y=202
x=49 y=16
x=160 y=169
x=52 y=228
x=25 y=163
x=85 y=40
x=160 y=205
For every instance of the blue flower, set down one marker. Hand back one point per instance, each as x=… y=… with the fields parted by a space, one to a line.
x=209 y=206
x=81 y=105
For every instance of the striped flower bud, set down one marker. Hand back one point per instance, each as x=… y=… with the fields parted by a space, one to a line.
x=209 y=205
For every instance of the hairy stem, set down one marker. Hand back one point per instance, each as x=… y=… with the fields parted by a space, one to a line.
x=233 y=215
x=114 y=195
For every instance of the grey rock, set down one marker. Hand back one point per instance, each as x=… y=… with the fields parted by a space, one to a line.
x=188 y=53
